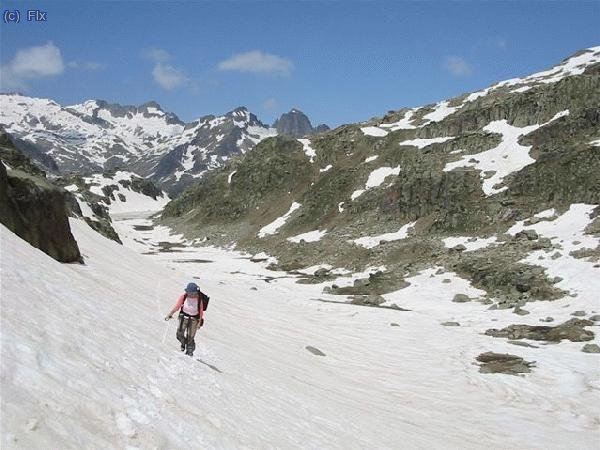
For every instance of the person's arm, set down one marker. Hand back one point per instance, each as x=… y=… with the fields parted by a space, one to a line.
x=205 y=300
x=178 y=304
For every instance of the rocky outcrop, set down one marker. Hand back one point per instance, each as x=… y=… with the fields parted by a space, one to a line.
x=503 y=363
x=296 y=124
x=36 y=211
x=32 y=207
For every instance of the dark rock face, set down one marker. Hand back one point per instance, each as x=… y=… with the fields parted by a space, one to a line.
x=36 y=211
x=296 y=124
x=32 y=208
x=293 y=123
x=503 y=363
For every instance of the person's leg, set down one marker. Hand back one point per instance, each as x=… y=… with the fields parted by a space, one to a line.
x=181 y=331
x=191 y=333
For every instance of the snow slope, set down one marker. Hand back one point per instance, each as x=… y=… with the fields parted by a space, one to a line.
x=125 y=200
x=93 y=367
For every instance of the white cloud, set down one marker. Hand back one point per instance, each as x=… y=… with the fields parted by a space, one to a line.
x=31 y=63
x=270 y=104
x=256 y=61
x=157 y=55
x=168 y=77
x=86 y=65
x=457 y=66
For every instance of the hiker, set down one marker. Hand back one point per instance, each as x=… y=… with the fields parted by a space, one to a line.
x=191 y=306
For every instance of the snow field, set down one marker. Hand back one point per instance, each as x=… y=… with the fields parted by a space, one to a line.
x=90 y=368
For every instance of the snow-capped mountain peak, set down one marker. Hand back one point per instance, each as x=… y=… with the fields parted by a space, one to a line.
x=96 y=135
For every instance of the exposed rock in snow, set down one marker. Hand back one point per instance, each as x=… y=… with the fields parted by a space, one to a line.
x=469 y=243
x=440 y=112
x=402 y=124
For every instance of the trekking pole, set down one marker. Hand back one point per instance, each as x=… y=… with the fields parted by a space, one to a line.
x=165 y=333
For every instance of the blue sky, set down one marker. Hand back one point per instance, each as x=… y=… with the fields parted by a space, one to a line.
x=339 y=62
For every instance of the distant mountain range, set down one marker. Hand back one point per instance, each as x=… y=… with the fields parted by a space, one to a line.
x=95 y=136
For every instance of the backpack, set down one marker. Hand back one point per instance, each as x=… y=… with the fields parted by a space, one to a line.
x=203 y=301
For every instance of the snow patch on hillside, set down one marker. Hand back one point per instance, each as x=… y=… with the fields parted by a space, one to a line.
x=272 y=227
x=402 y=124
x=134 y=201
x=308 y=150
x=440 y=112
x=428 y=292
x=507 y=157
x=422 y=143
x=230 y=176
x=310 y=236
x=374 y=241
x=376 y=178
x=373 y=131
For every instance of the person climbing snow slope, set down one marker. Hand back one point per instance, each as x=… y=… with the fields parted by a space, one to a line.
x=191 y=305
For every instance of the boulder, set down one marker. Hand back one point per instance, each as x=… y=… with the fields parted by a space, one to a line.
x=36 y=211
x=572 y=330
x=530 y=235
x=503 y=363
x=461 y=298
x=591 y=348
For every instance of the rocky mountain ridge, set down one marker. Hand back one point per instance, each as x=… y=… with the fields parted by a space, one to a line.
x=96 y=135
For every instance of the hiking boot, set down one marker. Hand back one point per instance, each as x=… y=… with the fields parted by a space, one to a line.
x=182 y=347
